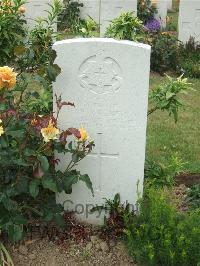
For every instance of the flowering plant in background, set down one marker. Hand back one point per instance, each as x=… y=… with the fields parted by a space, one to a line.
x=153 y=25
x=29 y=139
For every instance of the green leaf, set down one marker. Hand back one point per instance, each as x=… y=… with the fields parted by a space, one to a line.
x=68 y=180
x=3 y=107
x=29 y=152
x=86 y=179
x=19 y=219
x=16 y=133
x=15 y=232
x=34 y=188
x=53 y=71
x=22 y=185
x=9 y=204
x=49 y=183
x=169 y=95
x=59 y=220
x=44 y=162
x=48 y=216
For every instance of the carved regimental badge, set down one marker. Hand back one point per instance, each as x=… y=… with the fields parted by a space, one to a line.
x=100 y=74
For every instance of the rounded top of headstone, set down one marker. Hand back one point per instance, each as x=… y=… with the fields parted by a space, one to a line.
x=103 y=40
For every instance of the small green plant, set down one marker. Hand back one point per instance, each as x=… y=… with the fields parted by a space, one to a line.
x=166 y=96
x=193 y=196
x=159 y=175
x=88 y=28
x=12 y=28
x=126 y=27
x=69 y=18
x=114 y=222
x=159 y=235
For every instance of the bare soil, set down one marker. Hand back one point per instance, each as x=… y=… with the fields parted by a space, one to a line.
x=43 y=252
x=188 y=179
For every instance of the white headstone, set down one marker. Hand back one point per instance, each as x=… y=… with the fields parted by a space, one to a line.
x=169 y=4
x=91 y=8
x=108 y=80
x=111 y=9
x=104 y=11
x=162 y=11
x=36 y=9
x=189 y=20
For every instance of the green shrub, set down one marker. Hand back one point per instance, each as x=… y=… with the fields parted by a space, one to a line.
x=126 y=27
x=159 y=175
x=166 y=96
x=161 y=236
x=12 y=29
x=69 y=18
x=164 y=52
x=88 y=28
x=189 y=59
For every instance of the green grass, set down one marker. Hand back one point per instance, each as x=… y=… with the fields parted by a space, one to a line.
x=164 y=137
x=173 y=15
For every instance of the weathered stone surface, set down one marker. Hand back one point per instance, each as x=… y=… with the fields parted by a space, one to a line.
x=189 y=20
x=162 y=6
x=104 y=11
x=36 y=9
x=108 y=81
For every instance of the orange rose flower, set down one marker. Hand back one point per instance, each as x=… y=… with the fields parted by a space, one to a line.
x=7 y=77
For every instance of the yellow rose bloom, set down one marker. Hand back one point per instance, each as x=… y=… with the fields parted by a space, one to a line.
x=84 y=134
x=50 y=132
x=7 y=77
x=1 y=131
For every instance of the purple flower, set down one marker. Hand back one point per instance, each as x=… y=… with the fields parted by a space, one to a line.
x=153 y=25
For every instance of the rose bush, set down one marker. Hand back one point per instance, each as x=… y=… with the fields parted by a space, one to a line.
x=28 y=140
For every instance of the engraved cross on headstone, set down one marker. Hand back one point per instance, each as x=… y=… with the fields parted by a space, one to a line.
x=100 y=155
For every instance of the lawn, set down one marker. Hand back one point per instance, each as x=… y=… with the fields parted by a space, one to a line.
x=164 y=137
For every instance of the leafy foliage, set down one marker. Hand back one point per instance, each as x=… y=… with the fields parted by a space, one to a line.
x=159 y=175
x=164 y=52
x=189 y=58
x=161 y=236
x=114 y=224
x=193 y=196
x=87 y=28
x=69 y=18
x=126 y=27
x=165 y=97
x=12 y=28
